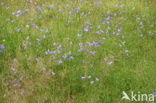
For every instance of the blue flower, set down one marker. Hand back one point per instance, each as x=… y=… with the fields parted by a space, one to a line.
x=1 y=51
x=2 y=47
x=108 y=18
x=154 y=94
x=19 y=13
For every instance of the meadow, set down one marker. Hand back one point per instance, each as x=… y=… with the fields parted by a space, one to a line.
x=76 y=51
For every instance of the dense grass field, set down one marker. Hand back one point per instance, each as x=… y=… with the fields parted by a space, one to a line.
x=76 y=51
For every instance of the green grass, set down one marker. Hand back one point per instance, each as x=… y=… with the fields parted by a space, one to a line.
x=124 y=60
